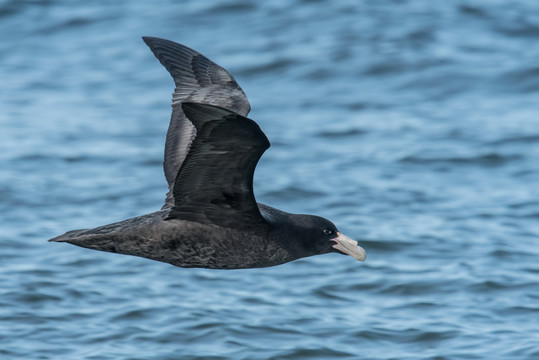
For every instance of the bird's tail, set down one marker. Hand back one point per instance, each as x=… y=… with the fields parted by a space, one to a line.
x=68 y=236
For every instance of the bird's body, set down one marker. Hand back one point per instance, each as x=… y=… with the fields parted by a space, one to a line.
x=187 y=243
x=210 y=218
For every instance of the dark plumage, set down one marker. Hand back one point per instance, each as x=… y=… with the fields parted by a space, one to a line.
x=210 y=218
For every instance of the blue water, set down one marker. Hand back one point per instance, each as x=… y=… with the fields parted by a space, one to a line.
x=413 y=125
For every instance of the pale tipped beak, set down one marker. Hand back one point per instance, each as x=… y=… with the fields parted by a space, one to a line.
x=349 y=247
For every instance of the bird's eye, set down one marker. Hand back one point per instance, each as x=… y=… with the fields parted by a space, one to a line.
x=328 y=232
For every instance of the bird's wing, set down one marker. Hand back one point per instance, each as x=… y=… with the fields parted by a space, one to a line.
x=199 y=80
x=215 y=182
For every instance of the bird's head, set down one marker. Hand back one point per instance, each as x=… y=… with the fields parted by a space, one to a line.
x=321 y=236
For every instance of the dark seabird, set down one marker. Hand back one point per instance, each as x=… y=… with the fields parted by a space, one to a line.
x=210 y=218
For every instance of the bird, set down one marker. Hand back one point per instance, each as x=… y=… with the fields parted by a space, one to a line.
x=210 y=218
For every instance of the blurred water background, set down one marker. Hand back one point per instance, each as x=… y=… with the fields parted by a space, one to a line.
x=413 y=125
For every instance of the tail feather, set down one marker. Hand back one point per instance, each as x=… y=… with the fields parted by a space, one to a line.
x=68 y=236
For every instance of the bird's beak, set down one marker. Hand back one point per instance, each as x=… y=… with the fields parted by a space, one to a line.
x=349 y=247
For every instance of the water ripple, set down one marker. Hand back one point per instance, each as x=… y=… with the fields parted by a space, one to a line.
x=411 y=124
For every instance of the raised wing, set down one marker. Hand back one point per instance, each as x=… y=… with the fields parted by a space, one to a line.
x=199 y=80
x=215 y=182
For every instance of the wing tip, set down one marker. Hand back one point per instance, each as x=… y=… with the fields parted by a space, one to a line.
x=152 y=41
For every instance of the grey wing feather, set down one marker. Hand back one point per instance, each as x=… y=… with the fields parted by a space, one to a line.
x=197 y=79
x=215 y=183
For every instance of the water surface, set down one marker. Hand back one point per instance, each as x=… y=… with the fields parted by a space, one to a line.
x=413 y=125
